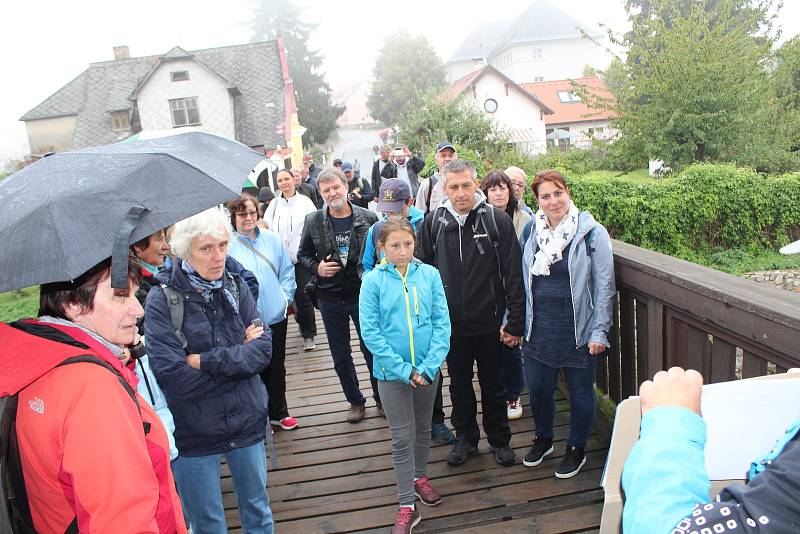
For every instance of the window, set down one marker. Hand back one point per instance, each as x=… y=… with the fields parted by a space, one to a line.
x=120 y=122
x=184 y=111
x=537 y=53
x=179 y=75
x=568 y=96
x=538 y=78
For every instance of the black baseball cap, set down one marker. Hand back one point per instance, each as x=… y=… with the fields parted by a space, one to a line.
x=445 y=144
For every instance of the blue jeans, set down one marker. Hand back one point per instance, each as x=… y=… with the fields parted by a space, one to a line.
x=513 y=376
x=542 y=381
x=336 y=318
x=198 y=480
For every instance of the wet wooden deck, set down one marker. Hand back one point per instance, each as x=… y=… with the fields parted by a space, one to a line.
x=335 y=477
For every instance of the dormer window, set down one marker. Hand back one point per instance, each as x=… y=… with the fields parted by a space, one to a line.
x=568 y=96
x=179 y=76
x=120 y=122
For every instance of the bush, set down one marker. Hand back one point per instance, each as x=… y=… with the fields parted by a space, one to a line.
x=704 y=209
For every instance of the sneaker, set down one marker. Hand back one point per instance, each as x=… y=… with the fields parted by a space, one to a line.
x=356 y=413
x=441 y=434
x=540 y=449
x=514 y=409
x=573 y=460
x=407 y=519
x=427 y=495
x=380 y=410
x=460 y=451
x=505 y=456
x=308 y=343
x=287 y=423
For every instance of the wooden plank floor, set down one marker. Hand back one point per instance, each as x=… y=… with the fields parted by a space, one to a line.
x=335 y=477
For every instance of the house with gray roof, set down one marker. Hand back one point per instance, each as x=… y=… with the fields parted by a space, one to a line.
x=242 y=92
x=542 y=43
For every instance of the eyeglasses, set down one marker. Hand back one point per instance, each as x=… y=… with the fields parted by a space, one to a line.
x=246 y=214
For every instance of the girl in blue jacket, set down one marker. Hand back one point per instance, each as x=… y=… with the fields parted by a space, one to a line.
x=406 y=326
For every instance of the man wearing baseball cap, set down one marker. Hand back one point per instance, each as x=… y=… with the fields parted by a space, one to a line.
x=358 y=190
x=431 y=192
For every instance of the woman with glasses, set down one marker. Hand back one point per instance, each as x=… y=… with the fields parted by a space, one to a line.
x=262 y=253
x=286 y=216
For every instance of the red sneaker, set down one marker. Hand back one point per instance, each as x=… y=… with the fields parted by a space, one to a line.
x=287 y=423
x=427 y=495
x=407 y=519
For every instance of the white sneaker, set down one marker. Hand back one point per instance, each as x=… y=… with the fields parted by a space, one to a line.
x=514 y=409
x=308 y=343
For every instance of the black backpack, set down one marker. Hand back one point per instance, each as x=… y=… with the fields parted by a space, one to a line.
x=15 y=513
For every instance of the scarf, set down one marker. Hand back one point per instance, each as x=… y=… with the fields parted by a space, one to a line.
x=206 y=287
x=552 y=241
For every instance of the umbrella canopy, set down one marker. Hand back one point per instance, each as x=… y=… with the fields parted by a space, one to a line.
x=64 y=214
x=558 y=133
x=791 y=248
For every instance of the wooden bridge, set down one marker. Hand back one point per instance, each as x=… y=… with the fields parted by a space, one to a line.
x=334 y=477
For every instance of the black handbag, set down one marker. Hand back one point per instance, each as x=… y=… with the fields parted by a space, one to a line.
x=310 y=290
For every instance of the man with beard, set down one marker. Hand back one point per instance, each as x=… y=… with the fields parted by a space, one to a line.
x=330 y=248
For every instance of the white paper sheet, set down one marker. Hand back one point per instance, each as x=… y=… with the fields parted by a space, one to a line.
x=744 y=420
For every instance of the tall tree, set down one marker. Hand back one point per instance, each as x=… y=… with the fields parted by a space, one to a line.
x=315 y=107
x=696 y=79
x=407 y=68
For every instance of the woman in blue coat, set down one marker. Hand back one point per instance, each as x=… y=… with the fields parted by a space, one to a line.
x=209 y=371
x=406 y=325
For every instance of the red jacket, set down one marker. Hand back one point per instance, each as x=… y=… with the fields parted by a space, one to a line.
x=82 y=443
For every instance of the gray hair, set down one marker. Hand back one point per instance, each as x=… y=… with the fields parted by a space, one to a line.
x=459 y=165
x=328 y=174
x=206 y=223
x=516 y=170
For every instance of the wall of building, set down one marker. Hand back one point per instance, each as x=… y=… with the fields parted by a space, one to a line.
x=459 y=69
x=45 y=135
x=213 y=99
x=355 y=103
x=582 y=129
x=559 y=60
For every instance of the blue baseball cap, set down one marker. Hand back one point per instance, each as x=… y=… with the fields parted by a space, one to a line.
x=347 y=166
x=393 y=195
x=445 y=144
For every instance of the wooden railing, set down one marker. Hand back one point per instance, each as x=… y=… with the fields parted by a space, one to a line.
x=671 y=312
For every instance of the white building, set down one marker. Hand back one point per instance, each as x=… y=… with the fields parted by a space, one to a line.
x=353 y=97
x=540 y=44
x=515 y=110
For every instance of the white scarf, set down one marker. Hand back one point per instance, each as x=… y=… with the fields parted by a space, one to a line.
x=552 y=241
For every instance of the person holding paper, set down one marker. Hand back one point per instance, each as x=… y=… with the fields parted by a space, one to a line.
x=665 y=481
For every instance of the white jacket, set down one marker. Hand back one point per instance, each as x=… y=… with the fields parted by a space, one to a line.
x=285 y=217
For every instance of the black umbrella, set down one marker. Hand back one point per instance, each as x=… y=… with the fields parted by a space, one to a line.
x=67 y=212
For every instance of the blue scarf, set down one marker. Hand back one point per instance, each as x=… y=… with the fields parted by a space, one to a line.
x=207 y=287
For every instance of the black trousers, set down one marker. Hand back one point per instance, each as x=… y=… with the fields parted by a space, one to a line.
x=274 y=376
x=303 y=309
x=486 y=350
x=437 y=417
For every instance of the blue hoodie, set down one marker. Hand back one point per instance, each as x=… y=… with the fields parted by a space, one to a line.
x=404 y=321
x=415 y=217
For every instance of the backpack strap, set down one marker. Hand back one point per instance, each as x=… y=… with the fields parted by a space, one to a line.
x=175 y=303
x=439 y=227
x=376 y=235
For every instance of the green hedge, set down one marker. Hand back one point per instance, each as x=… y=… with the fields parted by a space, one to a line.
x=704 y=209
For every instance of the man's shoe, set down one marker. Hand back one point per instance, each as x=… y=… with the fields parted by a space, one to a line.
x=514 y=409
x=407 y=519
x=460 y=451
x=427 y=495
x=441 y=434
x=308 y=343
x=356 y=413
x=540 y=449
x=380 y=410
x=573 y=460
x=287 y=423
x=505 y=456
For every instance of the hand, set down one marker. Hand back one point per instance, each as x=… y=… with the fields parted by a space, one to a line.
x=508 y=340
x=193 y=360
x=126 y=351
x=417 y=380
x=253 y=332
x=328 y=268
x=675 y=387
x=596 y=348
x=406 y=151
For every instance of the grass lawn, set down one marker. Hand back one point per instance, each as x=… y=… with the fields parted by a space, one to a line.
x=19 y=304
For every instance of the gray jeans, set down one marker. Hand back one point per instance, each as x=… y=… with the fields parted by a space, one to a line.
x=408 y=412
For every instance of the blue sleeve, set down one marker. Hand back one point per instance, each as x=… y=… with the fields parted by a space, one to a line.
x=440 y=337
x=604 y=286
x=285 y=272
x=233 y=265
x=245 y=359
x=665 y=475
x=368 y=257
x=369 y=312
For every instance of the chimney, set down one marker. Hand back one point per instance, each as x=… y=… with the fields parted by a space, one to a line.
x=122 y=52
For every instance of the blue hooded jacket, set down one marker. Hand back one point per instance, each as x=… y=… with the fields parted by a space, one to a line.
x=405 y=322
x=369 y=255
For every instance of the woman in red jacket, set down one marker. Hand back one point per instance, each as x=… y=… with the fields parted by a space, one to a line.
x=94 y=454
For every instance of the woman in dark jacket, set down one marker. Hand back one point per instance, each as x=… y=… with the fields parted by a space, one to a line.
x=210 y=375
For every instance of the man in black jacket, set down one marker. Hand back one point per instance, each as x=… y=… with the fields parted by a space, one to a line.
x=406 y=167
x=378 y=166
x=331 y=247
x=475 y=248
